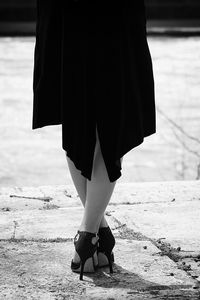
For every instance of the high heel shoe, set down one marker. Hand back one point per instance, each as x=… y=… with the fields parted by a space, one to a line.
x=104 y=250
x=85 y=249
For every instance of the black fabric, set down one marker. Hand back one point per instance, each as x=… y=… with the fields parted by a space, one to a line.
x=93 y=67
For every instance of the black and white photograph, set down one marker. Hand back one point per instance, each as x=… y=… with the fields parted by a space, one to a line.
x=99 y=149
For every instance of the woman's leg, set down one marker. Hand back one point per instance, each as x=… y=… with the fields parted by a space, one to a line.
x=99 y=191
x=94 y=194
x=80 y=183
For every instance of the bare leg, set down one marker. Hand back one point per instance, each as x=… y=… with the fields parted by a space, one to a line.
x=80 y=183
x=94 y=194
x=99 y=192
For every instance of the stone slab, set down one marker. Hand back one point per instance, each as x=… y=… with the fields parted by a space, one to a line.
x=41 y=224
x=177 y=222
x=41 y=270
x=37 y=226
x=29 y=198
x=156 y=192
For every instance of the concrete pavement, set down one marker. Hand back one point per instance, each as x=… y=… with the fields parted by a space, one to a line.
x=157 y=253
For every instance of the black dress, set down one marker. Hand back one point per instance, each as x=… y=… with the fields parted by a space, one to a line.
x=92 y=67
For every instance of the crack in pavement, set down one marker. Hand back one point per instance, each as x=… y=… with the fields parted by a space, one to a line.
x=175 y=254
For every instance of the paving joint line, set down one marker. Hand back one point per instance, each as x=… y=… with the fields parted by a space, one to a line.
x=175 y=254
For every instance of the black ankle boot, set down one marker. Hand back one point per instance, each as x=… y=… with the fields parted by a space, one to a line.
x=104 y=250
x=85 y=249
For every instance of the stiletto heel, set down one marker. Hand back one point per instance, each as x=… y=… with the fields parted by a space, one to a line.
x=110 y=263
x=82 y=268
x=104 y=250
x=85 y=249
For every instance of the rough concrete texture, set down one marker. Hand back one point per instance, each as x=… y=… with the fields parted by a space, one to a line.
x=157 y=254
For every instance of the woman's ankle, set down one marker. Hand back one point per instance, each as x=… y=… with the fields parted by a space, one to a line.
x=88 y=229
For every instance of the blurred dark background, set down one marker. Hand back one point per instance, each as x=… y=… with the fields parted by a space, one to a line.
x=18 y=16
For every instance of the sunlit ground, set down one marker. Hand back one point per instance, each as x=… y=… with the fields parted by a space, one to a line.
x=35 y=157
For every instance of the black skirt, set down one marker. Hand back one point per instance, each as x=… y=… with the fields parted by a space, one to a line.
x=92 y=67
